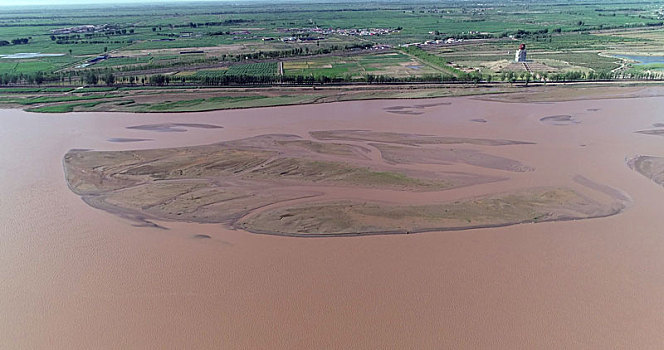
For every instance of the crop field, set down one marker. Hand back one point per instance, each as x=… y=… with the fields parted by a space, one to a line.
x=252 y=69
x=24 y=66
x=258 y=69
x=639 y=42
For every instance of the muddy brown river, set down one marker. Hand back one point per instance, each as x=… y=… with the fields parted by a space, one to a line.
x=76 y=277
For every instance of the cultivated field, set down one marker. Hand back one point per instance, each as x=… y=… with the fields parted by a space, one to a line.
x=140 y=47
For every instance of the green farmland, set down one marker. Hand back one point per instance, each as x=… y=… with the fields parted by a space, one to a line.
x=139 y=48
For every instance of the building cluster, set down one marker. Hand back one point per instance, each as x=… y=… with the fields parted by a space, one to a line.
x=434 y=10
x=347 y=32
x=88 y=28
x=434 y=42
x=298 y=39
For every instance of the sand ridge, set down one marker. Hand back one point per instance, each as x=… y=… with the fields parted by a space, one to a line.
x=559 y=120
x=173 y=127
x=407 y=139
x=649 y=166
x=366 y=218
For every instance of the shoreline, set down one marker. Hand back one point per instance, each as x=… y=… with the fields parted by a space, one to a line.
x=207 y=99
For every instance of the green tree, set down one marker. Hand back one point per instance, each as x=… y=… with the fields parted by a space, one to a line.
x=91 y=78
x=39 y=78
x=109 y=79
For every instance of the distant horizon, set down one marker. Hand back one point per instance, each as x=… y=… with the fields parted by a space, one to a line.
x=56 y=3
x=19 y=3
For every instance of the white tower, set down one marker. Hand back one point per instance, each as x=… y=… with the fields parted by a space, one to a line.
x=520 y=55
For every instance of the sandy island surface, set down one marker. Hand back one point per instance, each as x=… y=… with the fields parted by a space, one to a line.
x=227 y=182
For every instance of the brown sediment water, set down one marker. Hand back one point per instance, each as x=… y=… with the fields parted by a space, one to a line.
x=75 y=277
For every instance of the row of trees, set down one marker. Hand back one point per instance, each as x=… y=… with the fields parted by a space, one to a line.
x=25 y=78
x=110 y=79
x=17 y=41
x=579 y=76
x=64 y=42
x=473 y=77
x=20 y=41
x=543 y=33
x=106 y=34
x=260 y=55
x=92 y=78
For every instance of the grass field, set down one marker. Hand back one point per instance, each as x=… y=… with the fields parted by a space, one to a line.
x=64 y=107
x=25 y=66
x=33 y=90
x=392 y=64
x=27 y=101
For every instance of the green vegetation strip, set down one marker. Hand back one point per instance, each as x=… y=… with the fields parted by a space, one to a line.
x=55 y=99
x=64 y=108
x=19 y=90
x=95 y=89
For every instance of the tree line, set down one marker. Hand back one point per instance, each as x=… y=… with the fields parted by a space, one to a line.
x=17 y=41
x=109 y=79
